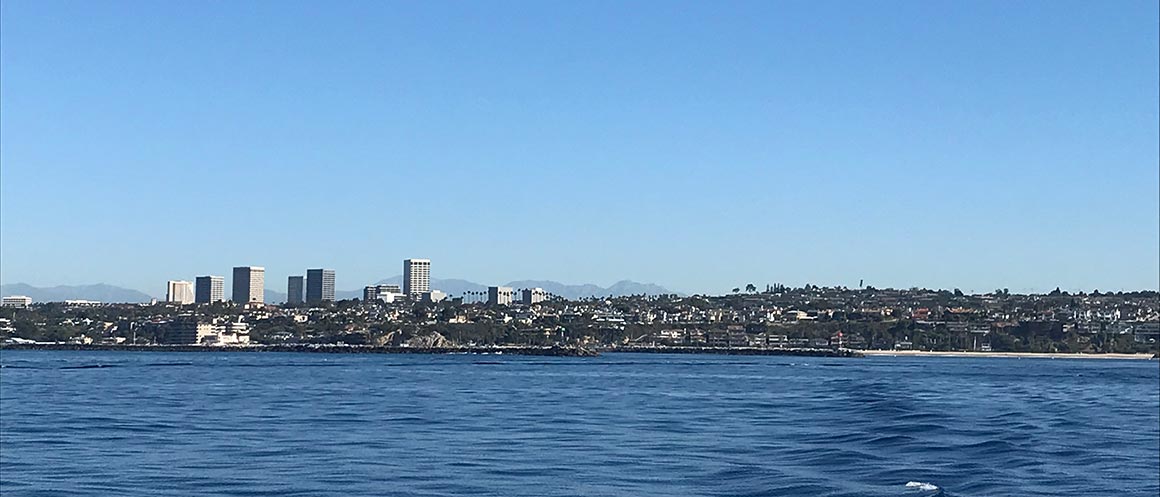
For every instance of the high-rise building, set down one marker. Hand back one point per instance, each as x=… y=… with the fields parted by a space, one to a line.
x=319 y=285
x=499 y=295
x=531 y=296
x=209 y=289
x=294 y=288
x=179 y=292
x=249 y=284
x=416 y=276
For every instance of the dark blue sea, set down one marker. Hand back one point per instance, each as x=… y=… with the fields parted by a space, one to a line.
x=244 y=424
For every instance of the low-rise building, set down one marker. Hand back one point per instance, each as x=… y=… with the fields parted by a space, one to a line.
x=1146 y=332
x=384 y=293
x=529 y=296
x=192 y=331
x=187 y=332
x=499 y=295
x=17 y=301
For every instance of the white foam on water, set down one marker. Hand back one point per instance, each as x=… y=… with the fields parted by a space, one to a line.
x=922 y=486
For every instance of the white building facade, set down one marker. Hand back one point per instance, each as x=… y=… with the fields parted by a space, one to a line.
x=531 y=296
x=17 y=301
x=416 y=276
x=209 y=289
x=500 y=295
x=385 y=293
x=179 y=292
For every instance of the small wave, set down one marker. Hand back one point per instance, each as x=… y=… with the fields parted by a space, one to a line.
x=90 y=366
x=924 y=487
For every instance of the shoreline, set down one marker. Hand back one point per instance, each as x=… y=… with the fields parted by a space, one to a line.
x=307 y=348
x=572 y=351
x=557 y=351
x=798 y=352
x=1033 y=355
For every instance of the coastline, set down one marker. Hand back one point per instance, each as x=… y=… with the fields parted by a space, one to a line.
x=326 y=349
x=573 y=351
x=558 y=351
x=1020 y=355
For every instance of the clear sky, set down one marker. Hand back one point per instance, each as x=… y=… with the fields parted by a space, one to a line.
x=699 y=145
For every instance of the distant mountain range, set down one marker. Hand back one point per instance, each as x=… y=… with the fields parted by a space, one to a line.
x=276 y=297
x=454 y=287
x=99 y=292
x=457 y=287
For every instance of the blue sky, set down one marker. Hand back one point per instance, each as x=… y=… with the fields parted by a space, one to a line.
x=698 y=145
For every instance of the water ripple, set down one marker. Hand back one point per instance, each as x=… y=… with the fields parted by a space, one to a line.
x=107 y=423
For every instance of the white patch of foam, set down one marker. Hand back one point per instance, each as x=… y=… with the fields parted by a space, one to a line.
x=922 y=486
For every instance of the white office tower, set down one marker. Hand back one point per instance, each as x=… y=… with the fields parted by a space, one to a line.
x=531 y=296
x=209 y=289
x=319 y=285
x=249 y=285
x=500 y=295
x=179 y=292
x=416 y=276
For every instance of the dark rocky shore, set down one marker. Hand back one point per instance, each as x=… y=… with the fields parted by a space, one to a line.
x=807 y=352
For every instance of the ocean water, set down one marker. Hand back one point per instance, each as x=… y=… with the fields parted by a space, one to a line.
x=619 y=425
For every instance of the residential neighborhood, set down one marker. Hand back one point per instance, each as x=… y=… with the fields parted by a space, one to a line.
x=774 y=317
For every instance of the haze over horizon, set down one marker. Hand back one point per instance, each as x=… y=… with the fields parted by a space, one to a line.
x=696 y=146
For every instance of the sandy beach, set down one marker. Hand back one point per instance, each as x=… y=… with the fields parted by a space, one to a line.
x=1036 y=355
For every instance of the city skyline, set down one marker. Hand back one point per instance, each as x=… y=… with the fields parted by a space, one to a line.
x=203 y=286
x=547 y=249
x=696 y=146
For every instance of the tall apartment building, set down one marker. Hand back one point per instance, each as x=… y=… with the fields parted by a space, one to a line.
x=179 y=292
x=294 y=289
x=209 y=289
x=249 y=284
x=416 y=276
x=500 y=295
x=319 y=285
